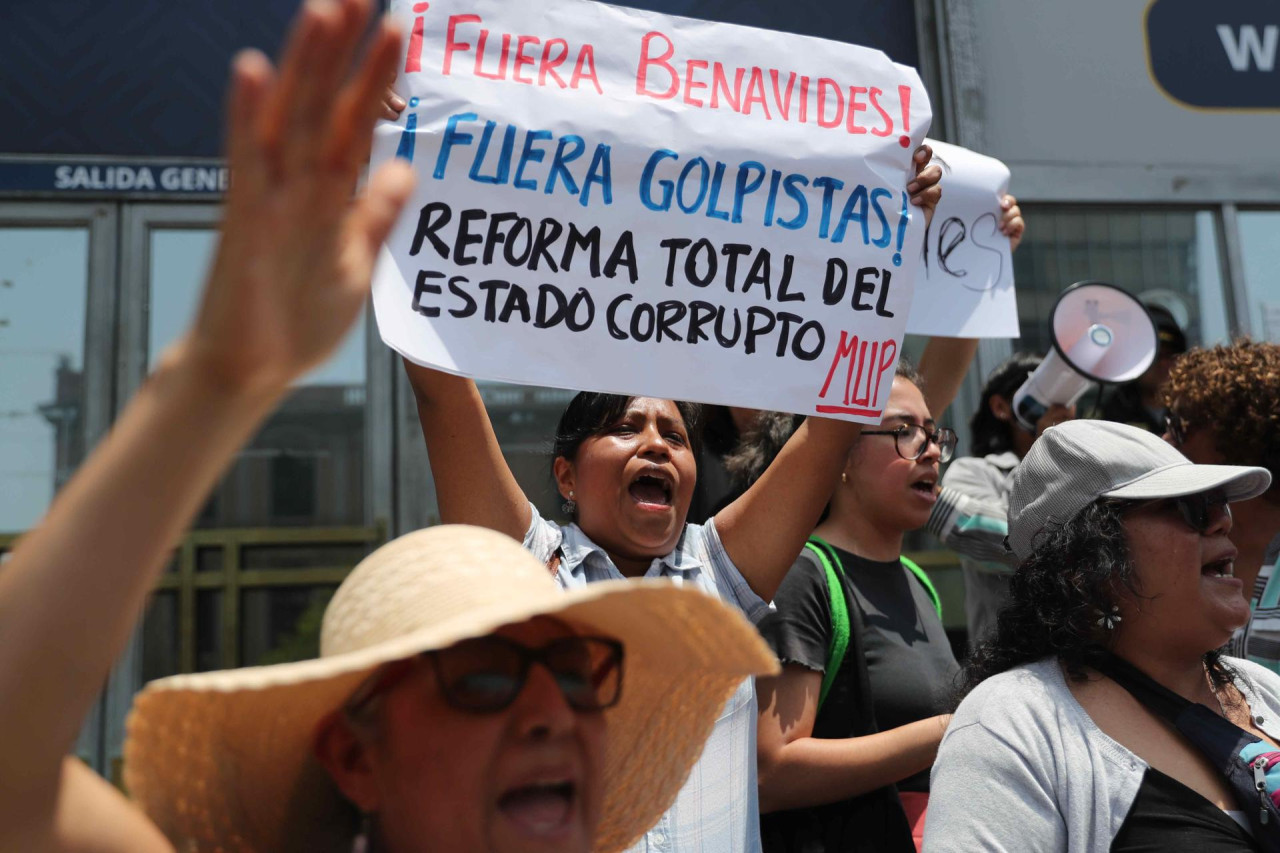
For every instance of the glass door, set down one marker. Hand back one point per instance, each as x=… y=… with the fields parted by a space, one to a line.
x=57 y=345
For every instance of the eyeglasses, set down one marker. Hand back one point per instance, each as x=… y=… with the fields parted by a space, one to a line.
x=1201 y=511
x=1175 y=426
x=486 y=674
x=911 y=440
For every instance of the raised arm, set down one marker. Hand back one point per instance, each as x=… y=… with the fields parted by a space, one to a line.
x=946 y=360
x=474 y=484
x=765 y=528
x=798 y=770
x=290 y=276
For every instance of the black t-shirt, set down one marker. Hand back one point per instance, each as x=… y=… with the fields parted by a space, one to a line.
x=1167 y=815
x=908 y=674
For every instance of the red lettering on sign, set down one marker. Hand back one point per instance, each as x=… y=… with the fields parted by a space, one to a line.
x=865 y=364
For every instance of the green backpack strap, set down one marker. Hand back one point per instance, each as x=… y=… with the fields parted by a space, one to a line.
x=925 y=582
x=839 y=644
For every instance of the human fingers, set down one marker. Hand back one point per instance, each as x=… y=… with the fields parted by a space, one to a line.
x=926 y=174
x=1059 y=413
x=392 y=104
x=375 y=212
x=298 y=45
x=925 y=180
x=1012 y=225
x=925 y=190
x=320 y=88
x=316 y=80
x=358 y=105
x=922 y=156
x=251 y=80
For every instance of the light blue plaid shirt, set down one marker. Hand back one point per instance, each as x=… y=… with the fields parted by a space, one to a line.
x=717 y=810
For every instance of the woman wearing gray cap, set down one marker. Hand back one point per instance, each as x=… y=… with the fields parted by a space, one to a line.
x=1125 y=568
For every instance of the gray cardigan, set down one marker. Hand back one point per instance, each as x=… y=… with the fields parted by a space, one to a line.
x=1023 y=766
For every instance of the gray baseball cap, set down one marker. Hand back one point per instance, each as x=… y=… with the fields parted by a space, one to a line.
x=1073 y=464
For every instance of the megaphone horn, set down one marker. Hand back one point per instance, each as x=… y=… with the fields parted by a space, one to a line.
x=1100 y=333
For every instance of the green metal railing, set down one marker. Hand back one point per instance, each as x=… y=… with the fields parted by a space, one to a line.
x=186 y=575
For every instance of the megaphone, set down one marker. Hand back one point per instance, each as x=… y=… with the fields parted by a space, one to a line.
x=1100 y=333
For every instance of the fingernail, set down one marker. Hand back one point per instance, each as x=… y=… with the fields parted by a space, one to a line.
x=913 y=187
x=398 y=102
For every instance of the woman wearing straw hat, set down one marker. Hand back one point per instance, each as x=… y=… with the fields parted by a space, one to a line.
x=462 y=700
x=1101 y=715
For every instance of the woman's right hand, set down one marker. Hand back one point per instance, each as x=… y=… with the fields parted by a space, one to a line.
x=392 y=104
x=1054 y=415
x=296 y=255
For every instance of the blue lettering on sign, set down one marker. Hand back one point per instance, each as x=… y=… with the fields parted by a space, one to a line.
x=1218 y=55
x=498 y=153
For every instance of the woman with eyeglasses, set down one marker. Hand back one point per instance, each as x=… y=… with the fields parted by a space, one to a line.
x=1101 y=714
x=848 y=731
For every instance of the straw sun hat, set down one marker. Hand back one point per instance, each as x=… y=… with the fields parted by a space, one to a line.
x=222 y=760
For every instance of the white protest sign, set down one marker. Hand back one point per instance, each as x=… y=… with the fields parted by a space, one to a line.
x=622 y=201
x=965 y=285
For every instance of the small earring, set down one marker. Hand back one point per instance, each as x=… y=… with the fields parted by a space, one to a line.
x=1108 y=621
x=844 y=478
x=360 y=844
x=570 y=506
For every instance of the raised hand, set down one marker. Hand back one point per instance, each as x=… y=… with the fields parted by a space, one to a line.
x=924 y=188
x=1011 y=222
x=296 y=254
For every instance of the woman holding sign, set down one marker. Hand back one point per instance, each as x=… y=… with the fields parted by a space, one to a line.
x=626 y=470
x=848 y=731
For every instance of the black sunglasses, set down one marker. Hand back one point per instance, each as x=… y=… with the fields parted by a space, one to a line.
x=911 y=440
x=1200 y=511
x=486 y=674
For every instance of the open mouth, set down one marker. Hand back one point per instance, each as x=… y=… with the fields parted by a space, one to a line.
x=651 y=490
x=539 y=809
x=925 y=487
x=1224 y=568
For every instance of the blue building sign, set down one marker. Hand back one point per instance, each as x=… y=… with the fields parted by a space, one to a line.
x=1219 y=55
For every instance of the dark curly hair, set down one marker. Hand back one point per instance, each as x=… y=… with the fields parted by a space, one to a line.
x=1057 y=596
x=1234 y=391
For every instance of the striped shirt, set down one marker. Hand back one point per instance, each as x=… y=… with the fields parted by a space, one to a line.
x=717 y=810
x=971 y=518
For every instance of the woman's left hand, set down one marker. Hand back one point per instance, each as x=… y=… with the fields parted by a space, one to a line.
x=924 y=188
x=1011 y=222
